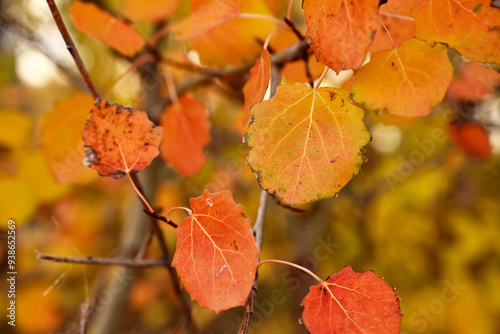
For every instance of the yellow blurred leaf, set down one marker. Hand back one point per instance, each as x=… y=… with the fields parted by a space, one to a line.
x=18 y=200
x=15 y=128
x=33 y=169
x=62 y=144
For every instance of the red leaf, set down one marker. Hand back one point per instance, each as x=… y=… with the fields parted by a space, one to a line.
x=340 y=31
x=351 y=302
x=472 y=139
x=216 y=254
x=474 y=83
x=110 y=30
x=205 y=18
x=119 y=140
x=186 y=133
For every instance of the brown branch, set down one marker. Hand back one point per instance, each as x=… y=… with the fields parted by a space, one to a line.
x=102 y=261
x=70 y=45
x=277 y=63
x=167 y=260
x=278 y=60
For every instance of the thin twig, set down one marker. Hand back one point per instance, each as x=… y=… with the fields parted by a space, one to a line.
x=294 y=29
x=70 y=45
x=258 y=229
x=161 y=218
x=278 y=59
x=102 y=261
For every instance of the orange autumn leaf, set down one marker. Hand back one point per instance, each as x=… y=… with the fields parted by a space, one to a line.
x=305 y=144
x=401 y=26
x=407 y=81
x=472 y=27
x=119 y=140
x=206 y=17
x=472 y=139
x=256 y=87
x=186 y=133
x=63 y=150
x=110 y=30
x=237 y=41
x=474 y=83
x=216 y=255
x=350 y=302
x=339 y=31
x=149 y=10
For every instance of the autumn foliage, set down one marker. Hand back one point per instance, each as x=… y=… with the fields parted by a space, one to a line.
x=305 y=139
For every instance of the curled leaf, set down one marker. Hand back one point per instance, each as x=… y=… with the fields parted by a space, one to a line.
x=119 y=140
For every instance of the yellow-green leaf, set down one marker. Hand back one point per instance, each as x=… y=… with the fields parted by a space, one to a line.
x=305 y=144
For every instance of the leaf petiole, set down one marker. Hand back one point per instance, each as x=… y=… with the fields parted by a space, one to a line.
x=188 y=210
x=313 y=275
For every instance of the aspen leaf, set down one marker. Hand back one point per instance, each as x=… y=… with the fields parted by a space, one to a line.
x=305 y=145
x=472 y=27
x=119 y=140
x=472 y=139
x=236 y=41
x=474 y=83
x=205 y=18
x=110 y=30
x=340 y=31
x=216 y=255
x=149 y=10
x=186 y=133
x=350 y=302
x=256 y=87
x=63 y=150
x=396 y=17
x=407 y=81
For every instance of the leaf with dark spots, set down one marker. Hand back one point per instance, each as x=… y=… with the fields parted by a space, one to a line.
x=119 y=140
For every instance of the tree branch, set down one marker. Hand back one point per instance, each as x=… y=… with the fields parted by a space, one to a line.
x=72 y=48
x=278 y=60
x=102 y=261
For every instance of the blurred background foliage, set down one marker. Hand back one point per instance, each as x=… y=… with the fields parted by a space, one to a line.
x=423 y=214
